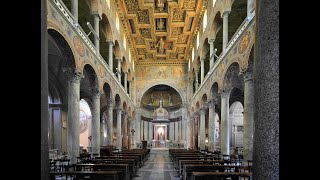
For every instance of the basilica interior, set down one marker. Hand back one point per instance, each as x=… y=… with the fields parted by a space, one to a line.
x=166 y=89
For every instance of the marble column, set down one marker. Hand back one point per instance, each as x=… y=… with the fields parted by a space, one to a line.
x=184 y=125
x=119 y=135
x=202 y=69
x=130 y=89
x=250 y=8
x=110 y=60
x=74 y=10
x=125 y=82
x=197 y=82
x=179 y=129
x=225 y=124
x=44 y=94
x=150 y=131
x=176 y=131
x=171 y=131
x=191 y=135
x=266 y=91
x=225 y=30
x=109 y=122
x=212 y=52
x=95 y=123
x=96 y=18
x=248 y=116
x=119 y=68
x=211 y=124
x=124 y=129
x=104 y=126
x=187 y=137
x=196 y=131
x=145 y=130
x=137 y=133
x=73 y=128
x=202 y=129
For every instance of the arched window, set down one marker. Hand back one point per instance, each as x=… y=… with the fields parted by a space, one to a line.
x=189 y=64
x=204 y=21
x=129 y=56
x=213 y=2
x=117 y=21
x=124 y=42
x=192 y=54
x=198 y=38
x=108 y=3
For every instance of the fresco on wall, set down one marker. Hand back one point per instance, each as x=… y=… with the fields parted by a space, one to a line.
x=171 y=75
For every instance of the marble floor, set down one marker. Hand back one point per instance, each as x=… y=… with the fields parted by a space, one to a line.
x=158 y=167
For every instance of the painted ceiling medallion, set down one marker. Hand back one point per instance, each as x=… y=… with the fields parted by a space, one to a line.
x=78 y=45
x=244 y=42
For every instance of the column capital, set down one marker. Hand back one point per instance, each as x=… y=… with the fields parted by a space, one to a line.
x=203 y=109
x=211 y=41
x=225 y=92
x=225 y=13
x=118 y=109
x=247 y=75
x=118 y=58
x=96 y=91
x=110 y=42
x=110 y=102
x=211 y=103
x=74 y=74
x=96 y=14
x=202 y=59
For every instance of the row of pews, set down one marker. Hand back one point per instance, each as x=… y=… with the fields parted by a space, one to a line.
x=196 y=165
x=115 y=166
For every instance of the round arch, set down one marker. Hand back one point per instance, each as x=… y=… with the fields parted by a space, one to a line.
x=171 y=84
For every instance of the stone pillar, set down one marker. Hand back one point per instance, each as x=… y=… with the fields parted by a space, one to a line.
x=95 y=123
x=110 y=55
x=197 y=83
x=225 y=30
x=171 y=129
x=212 y=52
x=266 y=91
x=191 y=134
x=184 y=125
x=179 y=129
x=225 y=124
x=119 y=68
x=119 y=135
x=176 y=131
x=202 y=70
x=130 y=89
x=248 y=116
x=96 y=18
x=44 y=94
x=211 y=128
x=150 y=131
x=250 y=8
x=137 y=133
x=73 y=128
x=125 y=82
x=145 y=130
x=124 y=129
x=110 y=123
x=74 y=10
x=195 y=130
x=202 y=128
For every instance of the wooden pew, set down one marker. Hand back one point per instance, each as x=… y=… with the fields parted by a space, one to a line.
x=188 y=168
x=218 y=175
x=106 y=167
x=96 y=175
x=182 y=162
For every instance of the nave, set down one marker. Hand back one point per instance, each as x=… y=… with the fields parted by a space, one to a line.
x=159 y=166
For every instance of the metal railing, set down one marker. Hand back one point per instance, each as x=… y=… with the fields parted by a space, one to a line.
x=230 y=44
x=77 y=28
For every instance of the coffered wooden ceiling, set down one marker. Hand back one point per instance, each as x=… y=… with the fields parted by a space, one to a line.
x=161 y=34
